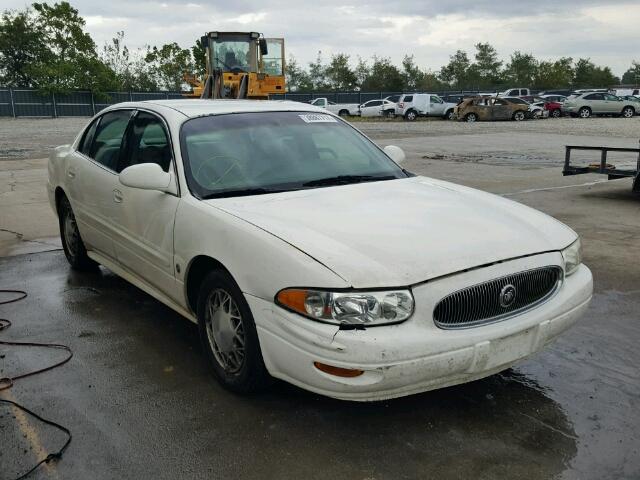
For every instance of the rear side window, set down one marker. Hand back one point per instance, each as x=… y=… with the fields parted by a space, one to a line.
x=107 y=142
x=594 y=96
x=147 y=142
x=408 y=98
x=87 y=139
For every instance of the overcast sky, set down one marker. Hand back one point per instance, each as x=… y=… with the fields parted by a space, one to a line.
x=605 y=31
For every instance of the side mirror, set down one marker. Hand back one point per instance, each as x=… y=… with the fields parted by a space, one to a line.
x=146 y=176
x=263 y=46
x=395 y=153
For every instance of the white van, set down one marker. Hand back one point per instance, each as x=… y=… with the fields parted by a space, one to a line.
x=414 y=105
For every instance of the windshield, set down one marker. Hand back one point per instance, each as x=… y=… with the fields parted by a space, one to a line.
x=254 y=153
x=232 y=53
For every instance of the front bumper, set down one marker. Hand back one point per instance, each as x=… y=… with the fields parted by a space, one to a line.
x=416 y=356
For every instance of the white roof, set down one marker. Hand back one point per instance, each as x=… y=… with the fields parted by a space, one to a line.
x=198 y=107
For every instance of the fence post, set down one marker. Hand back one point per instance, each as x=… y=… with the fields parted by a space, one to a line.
x=53 y=102
x=166 y=94
x=130 y=96
x=13 y=107
x=93 y=104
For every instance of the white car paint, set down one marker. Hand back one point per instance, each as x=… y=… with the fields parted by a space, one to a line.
x=424 y=105
x=377 y=108
x=337 y=108
x=428 y=235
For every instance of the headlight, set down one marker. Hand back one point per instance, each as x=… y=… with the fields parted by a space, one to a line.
x=366 y=308
x=572 y=256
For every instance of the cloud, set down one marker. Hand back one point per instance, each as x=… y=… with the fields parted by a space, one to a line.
x=428 y=29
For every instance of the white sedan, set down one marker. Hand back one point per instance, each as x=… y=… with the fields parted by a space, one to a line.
x=305 y=252
x=378 y=108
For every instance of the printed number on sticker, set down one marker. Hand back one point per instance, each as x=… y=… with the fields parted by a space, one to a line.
x=317 y=118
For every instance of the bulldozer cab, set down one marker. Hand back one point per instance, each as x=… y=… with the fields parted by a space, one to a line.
x=243 y=65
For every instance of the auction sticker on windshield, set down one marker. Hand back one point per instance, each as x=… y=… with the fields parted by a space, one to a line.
x=317 y=118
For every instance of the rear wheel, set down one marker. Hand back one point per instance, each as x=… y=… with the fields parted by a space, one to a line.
x=584 y=112
x=411 y=115
x=519 y=116
x=343 y=113
x=228 y=335
x=628 y=112
x=388 y=114
x=449 y=115
x=72 y=243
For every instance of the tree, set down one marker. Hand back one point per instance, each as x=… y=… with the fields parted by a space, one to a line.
x=20 y=48
x=297 y=79
x=521 y=69
x=558 y=74
x=168 y=64
x=632 y=76
x=339 y=74
x=586 y=74
x=383 y=76
x=361 y=72
x=413 y=76
x=487 y=66
x=199 y=53
x=456 y=72
x=70 y=60
x=130 y=69
x=318 y=74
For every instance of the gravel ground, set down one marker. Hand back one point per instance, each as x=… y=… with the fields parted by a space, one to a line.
x=34 y=138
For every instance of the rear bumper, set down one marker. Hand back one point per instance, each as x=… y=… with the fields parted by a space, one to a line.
x=414 y=356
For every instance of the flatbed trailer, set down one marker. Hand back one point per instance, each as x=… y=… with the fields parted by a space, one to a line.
x=603 y=167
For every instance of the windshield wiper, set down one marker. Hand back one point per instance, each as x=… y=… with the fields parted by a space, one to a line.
x=347 y=179
x=243 y=192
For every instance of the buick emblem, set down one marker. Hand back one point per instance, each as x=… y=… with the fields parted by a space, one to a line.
x=507 y=296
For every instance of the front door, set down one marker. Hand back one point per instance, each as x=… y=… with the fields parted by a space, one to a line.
x=436 y=106
x=92 y=179
x=144 y=241
x=500 y=110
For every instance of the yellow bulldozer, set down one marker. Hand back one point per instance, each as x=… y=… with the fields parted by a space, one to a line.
x=240 y=65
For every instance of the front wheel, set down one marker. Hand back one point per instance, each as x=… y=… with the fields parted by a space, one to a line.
x=519 y=116
x=628 y=112
x=72 y=243
x=556 y=113
x=471 y=117
x=228 y=335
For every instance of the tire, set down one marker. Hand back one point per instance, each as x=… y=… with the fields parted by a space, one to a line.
x=343 y=113
x=537 y=114
x=584 y=112
x=628 y=112
x=449 y=115
x=232 y=330
x=72 y=243
x=557 y=113
x=388 y=114
x=471 y=117
x=519 y=116
x=411 y=116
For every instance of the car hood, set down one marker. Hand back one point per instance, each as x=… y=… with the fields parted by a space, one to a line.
x=401 y=232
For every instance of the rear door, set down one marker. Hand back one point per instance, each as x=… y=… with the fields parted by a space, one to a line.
x=596 y=102
x=92 y=180
x=145 y=218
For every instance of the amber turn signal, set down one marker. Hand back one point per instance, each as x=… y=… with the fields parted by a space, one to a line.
x=337 y=371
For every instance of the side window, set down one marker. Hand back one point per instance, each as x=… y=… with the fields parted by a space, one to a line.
x=85 y=144
x=375 y=103
x=148 y=142
x=408 y=98
x=436 y=99
x=107 y=141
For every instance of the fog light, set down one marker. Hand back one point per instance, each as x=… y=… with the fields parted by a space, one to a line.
x=337 y=371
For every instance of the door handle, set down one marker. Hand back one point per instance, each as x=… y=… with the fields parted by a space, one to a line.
x=71 y=173
x=117 y=196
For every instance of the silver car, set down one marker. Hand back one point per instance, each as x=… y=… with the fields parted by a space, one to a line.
x=599 y=103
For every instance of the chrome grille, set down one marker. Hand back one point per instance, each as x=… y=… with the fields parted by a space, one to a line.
x=488 y=302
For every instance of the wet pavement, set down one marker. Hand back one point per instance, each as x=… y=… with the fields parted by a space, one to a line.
x=141 y=404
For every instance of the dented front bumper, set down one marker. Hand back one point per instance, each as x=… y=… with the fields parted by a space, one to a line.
x=416 y=355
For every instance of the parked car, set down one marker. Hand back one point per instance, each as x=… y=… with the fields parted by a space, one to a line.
x=553 y=98
x=535 y=111
x=289 y=238
x=342 y=109
x=515 y=92
x=491 y=108
x=414 y=105
x=378 y=108
x=554 y=109
x=393 y=98
x=599 y=103
x=562 y=92
x=624 y=92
